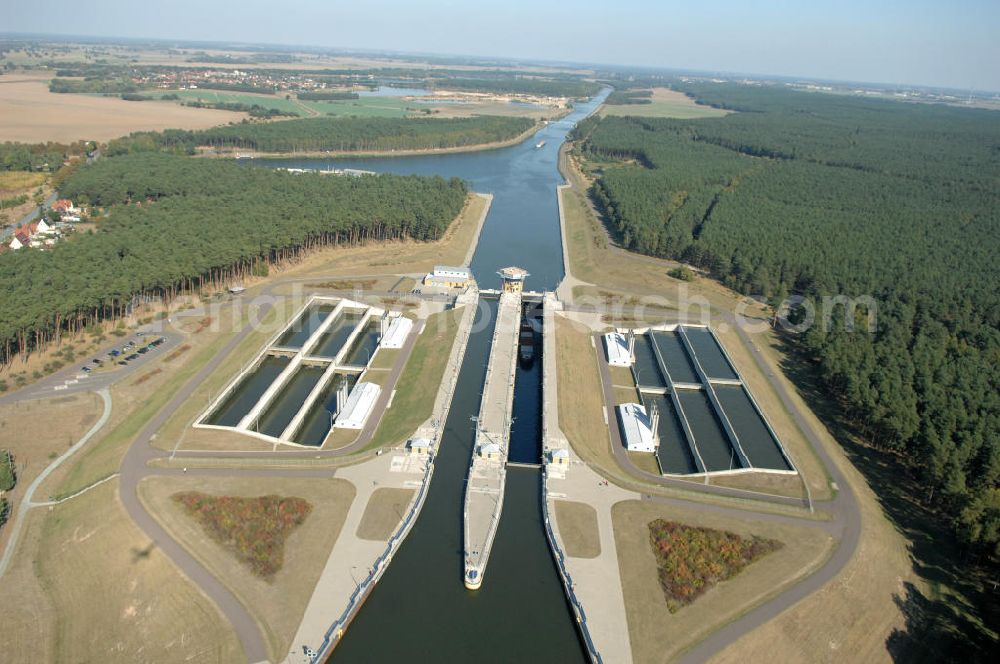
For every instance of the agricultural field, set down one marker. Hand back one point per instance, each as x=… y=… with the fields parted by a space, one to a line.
x=18 y=193
x=665 y=103
x=32 y=114
x=277 y=102
x=364 y=107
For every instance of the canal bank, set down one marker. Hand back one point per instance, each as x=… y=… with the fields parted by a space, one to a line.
x=420 y=604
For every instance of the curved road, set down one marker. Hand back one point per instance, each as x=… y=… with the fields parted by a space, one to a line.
x=845 y=525
x=846 y=517
x=846 y=522
x=135 y=466
x=26 y=503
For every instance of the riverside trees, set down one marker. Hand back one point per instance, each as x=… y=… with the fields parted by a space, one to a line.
x=178 y=224
x=824 y=195
x=334 y=135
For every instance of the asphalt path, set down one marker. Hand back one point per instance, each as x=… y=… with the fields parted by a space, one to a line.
x=845 y=523
x=621 y=455
x=136 y=466
x=72 y=379
x=26 y=502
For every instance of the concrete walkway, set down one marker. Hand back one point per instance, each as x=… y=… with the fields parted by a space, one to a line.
x=487 y=471
x=844 y=525
x=352 y=559
x=479 y=229
x=332 y=599
x=595 y=583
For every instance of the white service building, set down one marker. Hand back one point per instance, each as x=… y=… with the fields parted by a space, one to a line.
x=637 y=429
x=420 y=445
x=617 y=350
x=395 y=335
x=490 y=451
x=448 y=277
x=358 y=407
x=559 y=456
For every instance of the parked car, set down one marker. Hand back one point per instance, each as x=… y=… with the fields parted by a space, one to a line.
x=85 y=369
x=122 y=362
x=115 y=353
x=143 y=350
x=133 y=356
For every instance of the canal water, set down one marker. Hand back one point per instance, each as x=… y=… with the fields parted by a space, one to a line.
x=245 y=395
x=523 y=223
x=318 y=421
x=420 y=608
x=286 y=403
x=304 y=326
x=333 y=339
x=526 y=428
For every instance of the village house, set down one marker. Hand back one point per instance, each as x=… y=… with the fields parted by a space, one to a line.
x=19 y=240
x=65 y=206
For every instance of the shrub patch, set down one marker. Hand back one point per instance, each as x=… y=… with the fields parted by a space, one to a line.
x=691 y=560
x=252 y=529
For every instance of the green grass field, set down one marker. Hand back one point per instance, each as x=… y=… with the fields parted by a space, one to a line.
x=367 y=107
x=277 y=102
x=666 y=104
x=418 y=384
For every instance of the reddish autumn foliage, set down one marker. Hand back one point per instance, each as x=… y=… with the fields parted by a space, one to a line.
x=253 y=529
x=691 y=560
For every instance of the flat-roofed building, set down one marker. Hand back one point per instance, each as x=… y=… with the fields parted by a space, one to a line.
x=358 y=407
x=396 y=332
x=617 y=350
x=559 y=456
x=445 y=276
x=490 y=451
x=421 y=446
x=637 y=428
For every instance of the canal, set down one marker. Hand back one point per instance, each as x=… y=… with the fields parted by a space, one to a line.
x=420 y=608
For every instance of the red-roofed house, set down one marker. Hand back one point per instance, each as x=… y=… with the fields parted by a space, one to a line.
x=21 y=239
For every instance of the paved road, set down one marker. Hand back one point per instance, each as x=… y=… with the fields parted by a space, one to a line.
x=8 y=230
x=56 y=385
x=135 y=466
x=845 y=524
x=621 y=455
x=846 y=517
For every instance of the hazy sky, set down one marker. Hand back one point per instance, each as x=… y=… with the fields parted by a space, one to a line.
x=953 y=43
